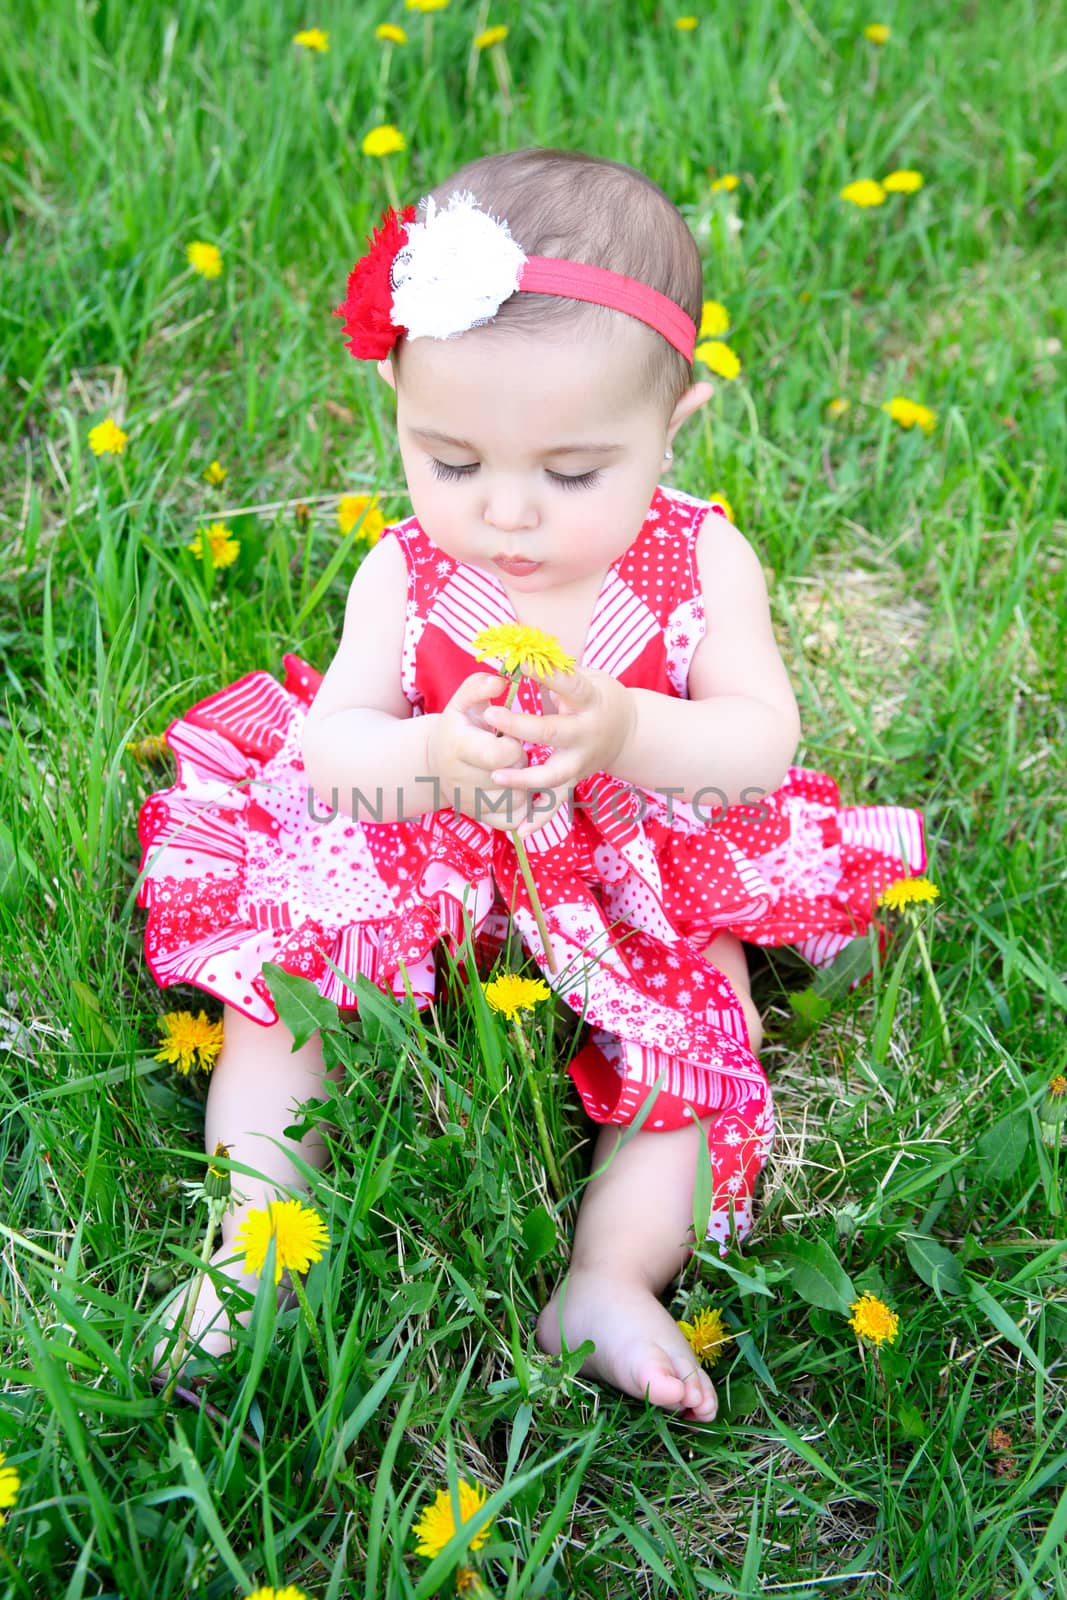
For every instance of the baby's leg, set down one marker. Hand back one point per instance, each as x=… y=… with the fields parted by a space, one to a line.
x=255 y=1087
x=634 y=1234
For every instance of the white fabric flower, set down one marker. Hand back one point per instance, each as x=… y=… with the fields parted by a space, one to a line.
x=455 y=271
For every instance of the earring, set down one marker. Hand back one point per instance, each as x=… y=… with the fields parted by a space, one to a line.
x=668 y=455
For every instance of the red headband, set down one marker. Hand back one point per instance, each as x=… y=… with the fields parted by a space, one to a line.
x=459 y=267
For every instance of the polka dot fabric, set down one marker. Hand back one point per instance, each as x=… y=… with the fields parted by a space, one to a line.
x=244 y=864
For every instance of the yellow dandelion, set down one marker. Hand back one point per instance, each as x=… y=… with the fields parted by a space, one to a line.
x=906 y=892
x=215 y=474
x=707 y=1336
x=149 y=750
x=437 y=1524
x=107 y=438
x=288 y=1593
x=721 y=500
x=838 y=407
x=516 y=646
x=877 y=32
x=864 y=192
x=313 y=39
x=468 y=1581
x=384 y=140
x=10 y=1484
x=389 y=33
x=351 y=507
x=873 y=1320
x=299 y=1231
x=426 y=5
x=714 y=319
x=206 y=259
x=512 y=994
x=1057 y=1086
x=189 y=1041
x=222 y=546
x=490 y=36
x=685 y=24
x=904 y=181
x=728 y=183
x=719 y=357
x=908 y=413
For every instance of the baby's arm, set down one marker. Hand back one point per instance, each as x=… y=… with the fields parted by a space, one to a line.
x=735 y=735
x=364 y=752
x=738 y=731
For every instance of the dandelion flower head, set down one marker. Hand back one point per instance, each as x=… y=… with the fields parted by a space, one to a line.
x=215 y=474
x=707 y=1336
x=514 y=646
x=714 y=319
x=837 y=407
x=685 y=24
x=313 y=39
x=864 y=192
x=909 y=414
x=107 y=438
x=877 y=32
x=385 y=140
x=728 y=183
x=908 y=892
x=719 y=357
x=204 y=258
x=1057 y=1086
x=873 y=1320
x=721 y=500
x=189 y=1041
x=152 y=748
x=491 y=36
x=426 y=5
x=300 y=1233
x=904 y=181
x=352 y=507
x=389 y=33
x=437 y=1524
x=288 y=1593
x=10 y=1484
x=512 y=994
x=222 y=546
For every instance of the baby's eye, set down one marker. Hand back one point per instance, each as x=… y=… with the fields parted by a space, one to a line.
x=449 y=474
x=584 y=480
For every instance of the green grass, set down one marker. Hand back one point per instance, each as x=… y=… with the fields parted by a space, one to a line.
x=919 y=593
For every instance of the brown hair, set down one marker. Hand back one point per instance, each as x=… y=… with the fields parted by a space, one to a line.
x=584 y=208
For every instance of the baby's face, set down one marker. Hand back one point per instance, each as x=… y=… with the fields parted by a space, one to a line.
x=521 y=449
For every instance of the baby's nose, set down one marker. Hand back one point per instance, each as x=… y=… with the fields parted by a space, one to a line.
x=510 y=508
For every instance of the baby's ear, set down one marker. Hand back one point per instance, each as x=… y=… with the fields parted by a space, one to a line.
x=385 y=372
x=696 y=396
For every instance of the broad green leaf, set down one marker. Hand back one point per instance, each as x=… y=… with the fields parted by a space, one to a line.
x=1002 y=1321
x=1003 y=1146
x=936 y=1266
x=300 y=1005
x=818 y=1277
x=539 y=1235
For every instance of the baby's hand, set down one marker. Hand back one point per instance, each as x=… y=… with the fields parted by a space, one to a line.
x=464 y=752
x=586 y=735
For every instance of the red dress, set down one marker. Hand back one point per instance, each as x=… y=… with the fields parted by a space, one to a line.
x=243 y=865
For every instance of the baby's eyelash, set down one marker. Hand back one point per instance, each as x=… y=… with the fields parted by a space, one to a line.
x=584 y=480
x=441 y=469
x=450 y=474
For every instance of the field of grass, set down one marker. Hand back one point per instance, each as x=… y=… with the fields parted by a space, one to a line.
x=920 y=595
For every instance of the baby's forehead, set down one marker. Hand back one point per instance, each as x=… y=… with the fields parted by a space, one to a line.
x=613 y=356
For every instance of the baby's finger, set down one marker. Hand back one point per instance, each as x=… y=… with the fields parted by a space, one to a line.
x=478 y=690
x=554 y=773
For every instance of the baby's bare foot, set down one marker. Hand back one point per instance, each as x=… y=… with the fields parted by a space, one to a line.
x=639 y=1346
x=210 y=1326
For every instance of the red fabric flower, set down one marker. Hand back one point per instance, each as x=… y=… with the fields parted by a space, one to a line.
x=367 y=309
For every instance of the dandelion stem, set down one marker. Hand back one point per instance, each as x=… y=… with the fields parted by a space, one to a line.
x=390 y=184
x=526 y=1051
x=312 y=1326
x=215 y=1209
x=924 y=956
x=524 y=860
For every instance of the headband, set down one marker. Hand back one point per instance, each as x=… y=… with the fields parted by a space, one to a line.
x=452 y=272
